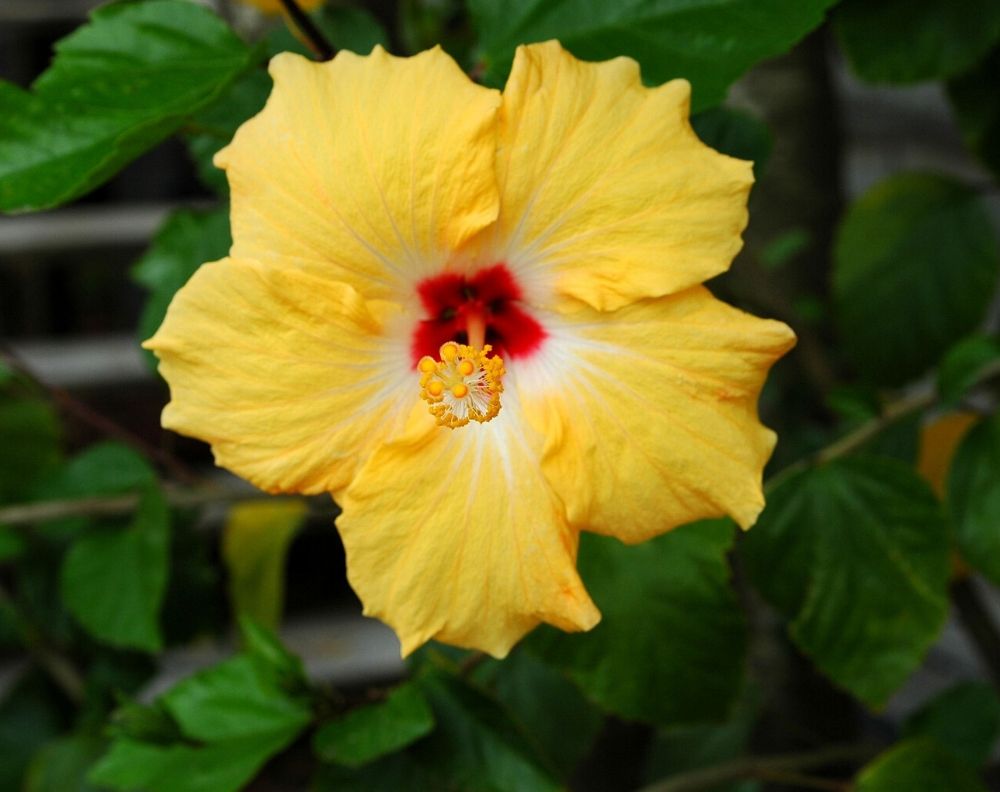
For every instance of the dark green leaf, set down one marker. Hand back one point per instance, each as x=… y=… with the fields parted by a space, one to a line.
x=475 y=743
x=688 y=748
x=855 y=554
x=964 y=720
x=709 y=42
x=62 y=765
x=222 y=766
x=916 y=265
x=550 y=709
x=29 y=444
x=784 y=247
x=118 y=86
x=345 y=27
x=374 y=730
x=917 y=766
x=113 y=580
x=273 y=660
x=964 y=364
x=214 y=127
x=186 y=240
x=676 y=585
x=974 y=497
x=976 y=101
x=735 y=133
x=903 y=41
x=32 y=713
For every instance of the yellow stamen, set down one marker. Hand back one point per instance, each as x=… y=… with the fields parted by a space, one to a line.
x=463 y=386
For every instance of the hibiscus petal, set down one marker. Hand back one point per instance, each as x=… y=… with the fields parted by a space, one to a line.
x=292 y=379
x=607 y=195
x=370 y=170
x=455 y=535
x=651 y=412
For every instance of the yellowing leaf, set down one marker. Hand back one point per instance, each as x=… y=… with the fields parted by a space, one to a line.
x=254 y=546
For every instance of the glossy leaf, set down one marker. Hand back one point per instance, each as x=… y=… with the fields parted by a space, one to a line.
x=976 y=101
x=366 y=733
x=855 y=555
x=676 y=585
x=708 y=42
x=964 y=720
x=916 y=264
x=255 y=543
x=917 y=766
x=113 y=580
x=904 y=41
x=974 y=497
x=118 y=86
x=964 y=364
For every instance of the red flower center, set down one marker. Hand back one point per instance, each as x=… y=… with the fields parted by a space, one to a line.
x=489 y=299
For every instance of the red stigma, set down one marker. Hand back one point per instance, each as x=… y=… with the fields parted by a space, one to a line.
x=493 y=294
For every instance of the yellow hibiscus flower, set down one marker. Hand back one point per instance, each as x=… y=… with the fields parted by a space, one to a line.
x=390 y=220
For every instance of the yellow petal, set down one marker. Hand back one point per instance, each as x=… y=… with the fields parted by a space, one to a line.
x=370 y=170
x=607 y=195
x=651 y=412
x=454 y=534
x=939 y=440
x=292 y=379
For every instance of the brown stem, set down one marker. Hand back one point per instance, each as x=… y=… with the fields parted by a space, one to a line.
x=761 y=766
x=313 y=35
x=82 y=412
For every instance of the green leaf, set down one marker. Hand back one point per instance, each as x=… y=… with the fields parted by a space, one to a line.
x=917 y=766
x=916 y=263
x=475 y=743
x=784 y=247
x=117 y=86
x=283 y=668
x=708 y=42
x=62 y=765
x=550 y=710
x=103 y=469
x=964 y=364
x=255 y=543
x=184 y=242
x=974 y=497
x=855 y=554
x=904 y=41
x=976 y=102
x=735 y=133
x=235 y=699
x=676 y=585
x=222 y=766
x=372 y=731
x=113 y=580
x=964 y=720
x=29 y=445
x=214 y=127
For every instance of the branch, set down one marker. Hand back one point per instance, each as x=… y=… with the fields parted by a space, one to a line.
x=73 y=406
x=770 y=767
x=313 y=35
x=182 y=498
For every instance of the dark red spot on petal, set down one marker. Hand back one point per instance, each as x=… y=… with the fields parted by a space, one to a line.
x=493 y=293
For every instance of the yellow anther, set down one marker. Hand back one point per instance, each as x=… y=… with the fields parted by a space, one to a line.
x=466 y=367
x=463 y=386
x=449 y=351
